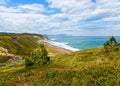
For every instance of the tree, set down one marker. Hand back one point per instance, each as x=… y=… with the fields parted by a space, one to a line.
x=111 y=44
x=40 y=55
x=112 y=40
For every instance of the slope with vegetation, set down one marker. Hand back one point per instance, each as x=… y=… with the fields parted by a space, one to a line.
x=15 y=47
x=20 y=44
x=91 y=67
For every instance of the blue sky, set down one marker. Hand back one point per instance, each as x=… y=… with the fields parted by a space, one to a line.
x=71 y=17
x=94 y=1
x=18 y=2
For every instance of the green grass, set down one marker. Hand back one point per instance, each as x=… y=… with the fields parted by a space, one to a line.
x=91 y=67
x=19 y=44
x=4 y=59
x=52 y=75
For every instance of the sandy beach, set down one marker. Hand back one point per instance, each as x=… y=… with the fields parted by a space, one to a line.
x=60 y=49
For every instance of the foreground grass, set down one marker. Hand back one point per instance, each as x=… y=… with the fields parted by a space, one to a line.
x=87 y=57
x=92 y=67
x=53 y=75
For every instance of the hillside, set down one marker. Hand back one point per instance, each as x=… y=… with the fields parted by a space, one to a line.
x=91 y=67
x=15 y=47
x=19 y=44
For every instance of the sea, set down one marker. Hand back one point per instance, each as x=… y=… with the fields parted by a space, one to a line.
x=76 y=43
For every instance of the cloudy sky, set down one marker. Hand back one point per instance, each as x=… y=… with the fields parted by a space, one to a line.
x=71 y=17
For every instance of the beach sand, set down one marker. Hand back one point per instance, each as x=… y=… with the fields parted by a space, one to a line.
x=59 y=49
x=63 y=50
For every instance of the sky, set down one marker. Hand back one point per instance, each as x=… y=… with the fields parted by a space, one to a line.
x=52 y=17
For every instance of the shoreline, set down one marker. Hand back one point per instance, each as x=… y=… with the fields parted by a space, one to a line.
x=63 y=50
x=63 y=45
x=55 y=47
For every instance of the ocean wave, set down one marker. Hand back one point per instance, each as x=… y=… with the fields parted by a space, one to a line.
x=52 y=39
x=63 y=45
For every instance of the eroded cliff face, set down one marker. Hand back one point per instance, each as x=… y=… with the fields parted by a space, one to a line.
x=41 y=37
x=15 y=47
x=19 y=44
x=3 y=50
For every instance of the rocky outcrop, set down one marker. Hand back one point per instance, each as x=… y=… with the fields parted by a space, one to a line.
x=3 y=51
x=2 y=64
x=16 y=58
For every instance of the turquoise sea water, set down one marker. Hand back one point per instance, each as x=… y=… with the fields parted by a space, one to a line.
x=79 y=42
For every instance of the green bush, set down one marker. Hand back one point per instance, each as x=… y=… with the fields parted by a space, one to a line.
x=111 y=45
x=40 y=55
x=28 y=63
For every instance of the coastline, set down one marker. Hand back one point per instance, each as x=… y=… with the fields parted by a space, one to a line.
x=60 y=49
x=57 y=48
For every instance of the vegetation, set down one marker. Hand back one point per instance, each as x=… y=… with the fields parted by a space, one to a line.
x=20 y=44
x=28 y=63
x=91 y=67
x=39 y=56
x=4 y=59
x=111 y=45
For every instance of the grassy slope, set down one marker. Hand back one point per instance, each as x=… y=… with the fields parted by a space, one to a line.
x=20 y=44
x=87 y=67
x=4 y=59
x=17 y=45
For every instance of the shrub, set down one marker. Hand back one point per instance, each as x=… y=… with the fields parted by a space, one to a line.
x=111 y=44
x=28 y=63
x=40 y=55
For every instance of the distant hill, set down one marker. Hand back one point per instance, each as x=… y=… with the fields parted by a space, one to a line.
x=59 y=35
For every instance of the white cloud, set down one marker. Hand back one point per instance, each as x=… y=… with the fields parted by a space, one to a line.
x=29 y=8
x=3 y=2
x=4 y=9
x=21 y=22
x=84 y=9
x=115 y=28
x=113 y=18
x=77 y=17
x=34 y=7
